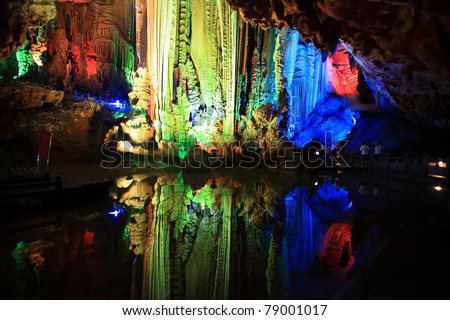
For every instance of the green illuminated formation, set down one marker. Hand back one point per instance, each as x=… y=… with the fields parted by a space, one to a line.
x=125 y=58
x=208 y=78
x=24 y=60
x=38 y=47
x=187 y=234
x=190 y=54
x=279 y=62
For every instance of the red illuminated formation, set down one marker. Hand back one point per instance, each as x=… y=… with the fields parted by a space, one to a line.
x=91 y=60
x=344 y=78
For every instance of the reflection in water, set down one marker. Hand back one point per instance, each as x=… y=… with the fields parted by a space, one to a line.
x=184 y=233
x=337 y=255
x=211 y=240
x=200 y=237
x=30 y=254
x=30 y=261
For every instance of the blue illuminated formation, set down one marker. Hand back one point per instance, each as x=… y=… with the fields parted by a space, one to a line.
x=331 y=115
x=306 y=80
x=313 y=108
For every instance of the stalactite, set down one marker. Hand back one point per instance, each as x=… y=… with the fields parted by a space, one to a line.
x=308 y=82
x=138 y=231
x=104 y=33
x=243 y=48
x=188 y=74
x=279 y=63
x=257 y=92
x=270 y=40
x=195 y=99
x=162 y=22
x=24 y=60
x=141 y=33
x=229 y=50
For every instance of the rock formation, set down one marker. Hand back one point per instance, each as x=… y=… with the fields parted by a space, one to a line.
x=23 y=96
x=21 y=20
x=207 y=75
x=402 y=46
x=86 y=45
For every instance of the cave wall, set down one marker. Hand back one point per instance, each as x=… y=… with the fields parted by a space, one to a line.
x=20 y=21
x=91 y=47
x=88 y=46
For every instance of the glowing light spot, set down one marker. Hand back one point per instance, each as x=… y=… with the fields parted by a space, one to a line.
x=115 y=212
x=36 y=52
x=119 y=106
x=88 y=238
x=316 y=183
x=37 y=59
x=125 y=146
x=438 y=188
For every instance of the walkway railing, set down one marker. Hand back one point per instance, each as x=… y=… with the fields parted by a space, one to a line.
x=434 y=167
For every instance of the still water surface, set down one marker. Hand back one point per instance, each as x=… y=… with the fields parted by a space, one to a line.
x=265 y=236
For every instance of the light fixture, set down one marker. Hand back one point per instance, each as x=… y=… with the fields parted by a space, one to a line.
x=115 y=212
x=438 y=188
